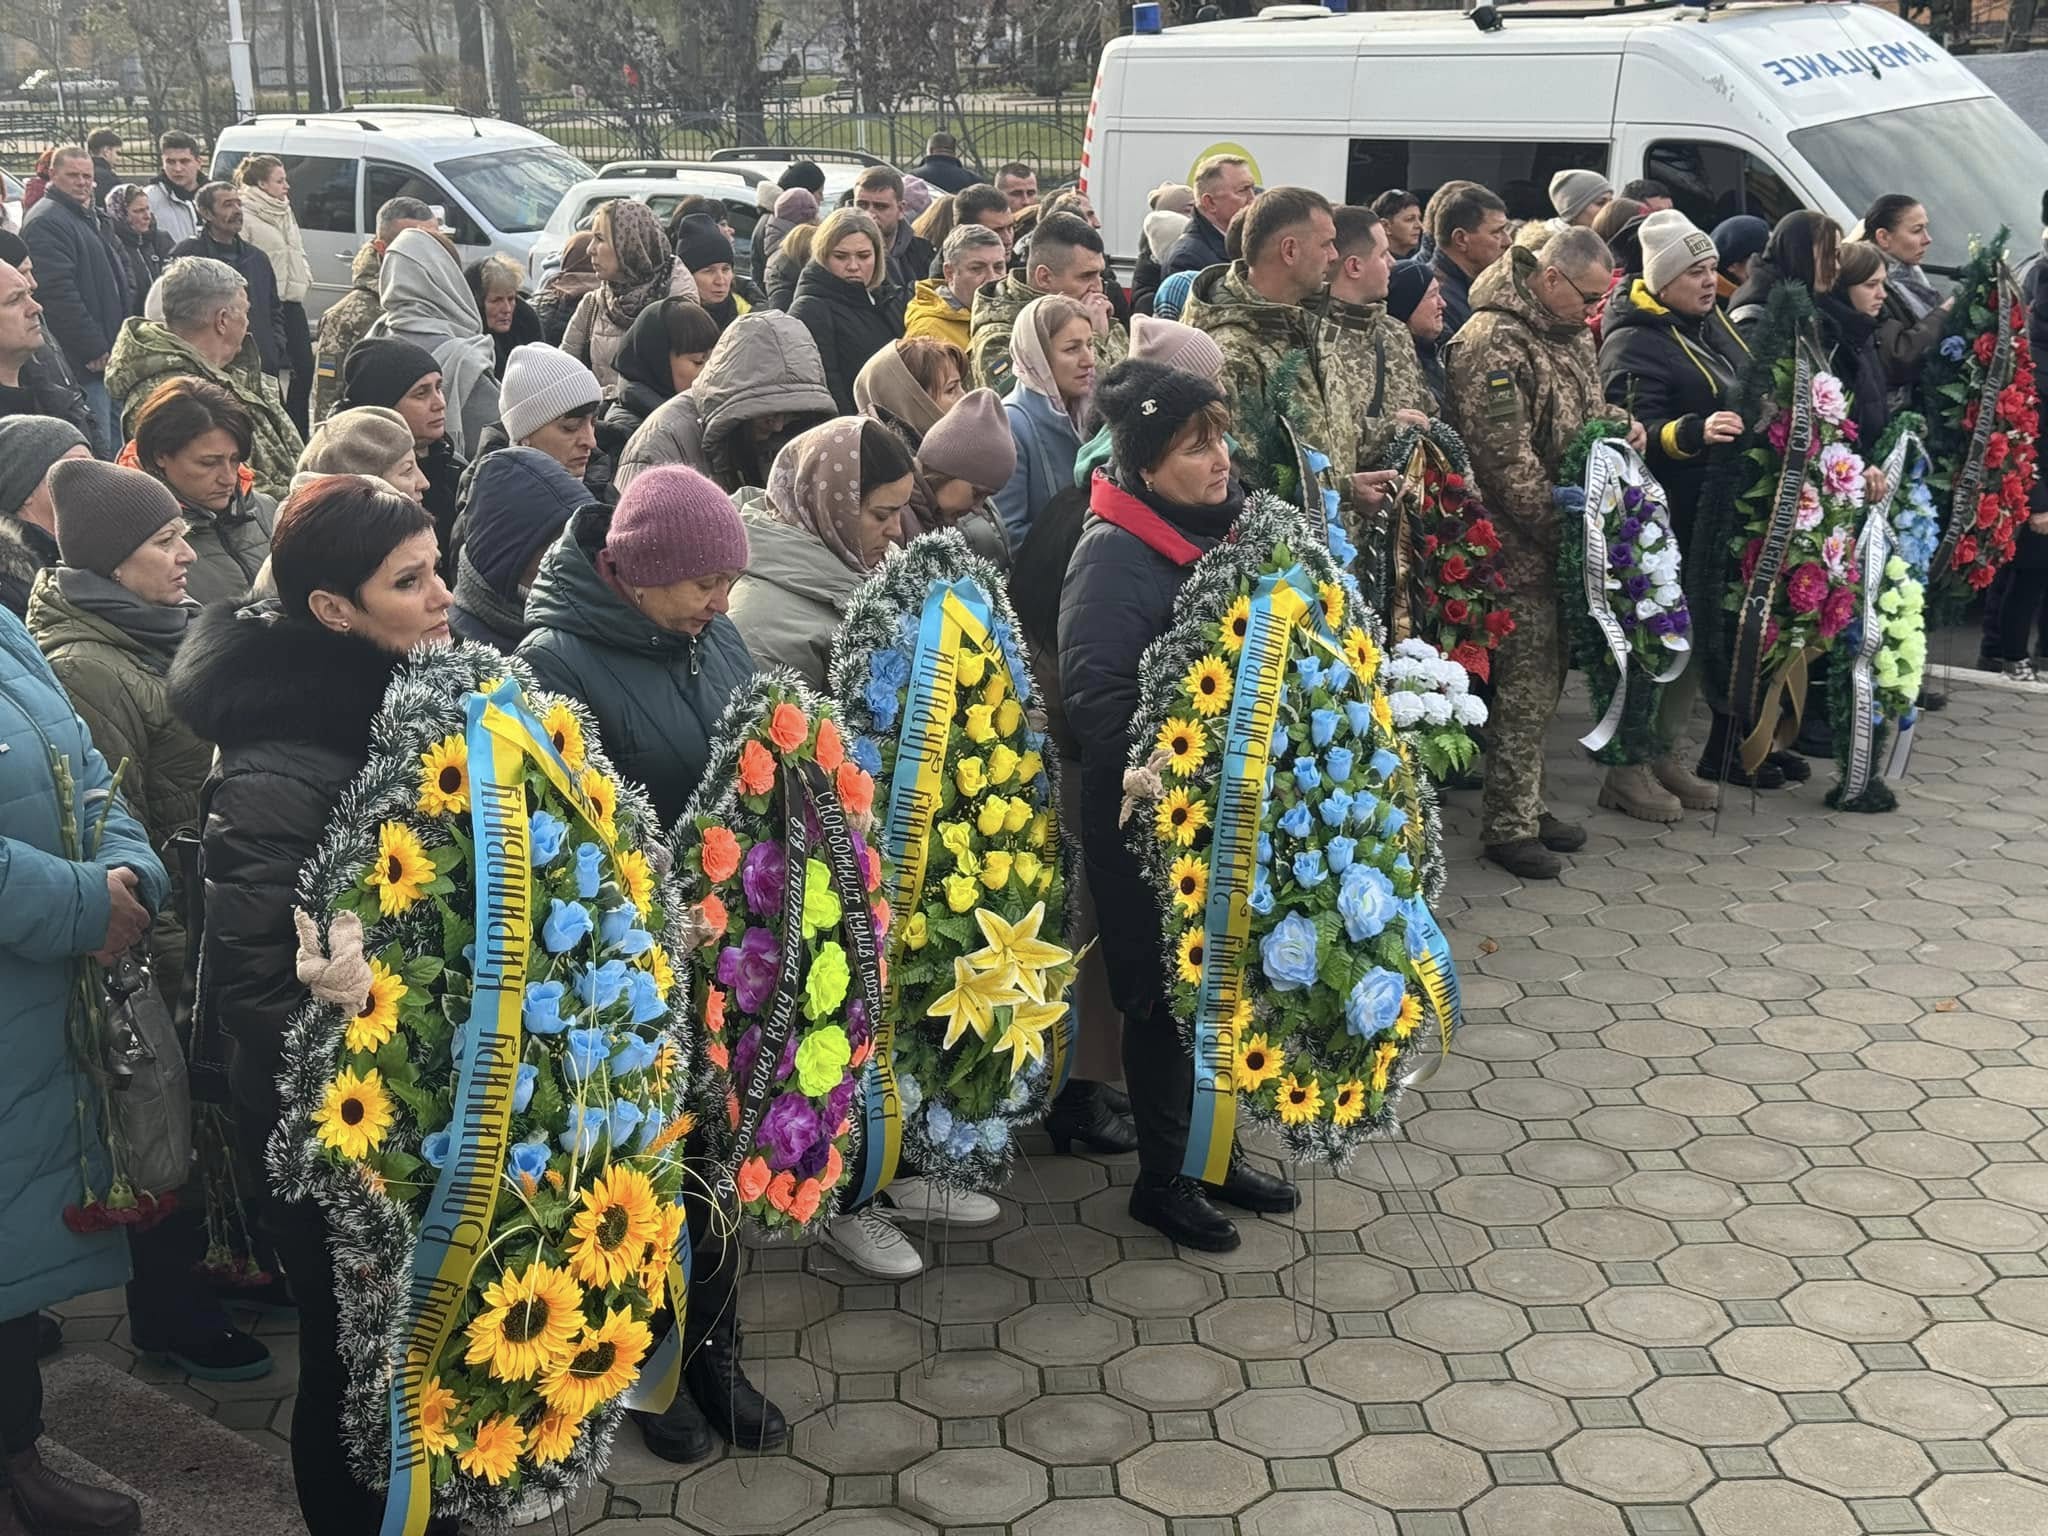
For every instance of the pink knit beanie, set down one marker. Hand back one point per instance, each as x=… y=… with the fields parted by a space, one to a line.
x=673 y=525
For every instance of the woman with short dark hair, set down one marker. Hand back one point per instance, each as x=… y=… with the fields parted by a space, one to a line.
x=196 y=438
x=1915 y=313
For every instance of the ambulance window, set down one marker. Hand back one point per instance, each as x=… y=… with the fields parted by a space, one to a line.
x=1711 y=182
x=1519 y=171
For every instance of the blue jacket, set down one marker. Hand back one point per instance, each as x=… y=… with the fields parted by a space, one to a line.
x=51 y=910
x=1199 y=247
x=1047 y=446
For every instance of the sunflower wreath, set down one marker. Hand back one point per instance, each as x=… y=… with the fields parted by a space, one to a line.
x=773 y=850
x=1280 y=815
x=481 y=1094
x=1637 y=604
x=938 y=695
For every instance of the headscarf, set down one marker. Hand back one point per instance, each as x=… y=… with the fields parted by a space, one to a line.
x=644 y=356
x=646 y=264
x=1790 y=250
x=885 y=387
x=574 y=277
x=426 y=299
x=1031 y=358
x=1162 y=227
x=815 y=485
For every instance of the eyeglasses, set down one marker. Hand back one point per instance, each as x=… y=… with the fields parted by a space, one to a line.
x=1585 y=298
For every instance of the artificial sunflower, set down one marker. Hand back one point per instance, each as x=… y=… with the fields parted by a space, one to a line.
x=1333 y=602
x=566 y=732
x=1361 y=655
x=1257 y=1064
x=1382 y=1064
x=1188 y=956
x=657 y=963
x=1179 y=817
x=1184 y=744
x=438 y=1412
x=615 y=1221
x=1190 y=883
x=356 y=1115
x=554 y=1437
x=444 y=778
x=403 y=871
x=378 y=1020
x=1208 y=683
x=1349 y=1103
x=529 y=1320
x=495 y=1456
x=1300 y=1102
x=603 y=796
x=1409 y=1016
x=1382 y=711
x=1237 y=619
x=601 y=1364
x=637 y=881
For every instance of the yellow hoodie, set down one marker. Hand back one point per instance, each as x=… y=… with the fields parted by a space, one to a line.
x=931 y=312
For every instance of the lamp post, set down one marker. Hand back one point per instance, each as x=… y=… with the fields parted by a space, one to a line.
x=241 y=69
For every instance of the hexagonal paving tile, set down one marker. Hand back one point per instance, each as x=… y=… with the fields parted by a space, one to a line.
x=1413 y=1471
x=1853 y=1461
x=1185 y=1478
x=1287 y=1421
x=1633 y=1466
x=973 y=1487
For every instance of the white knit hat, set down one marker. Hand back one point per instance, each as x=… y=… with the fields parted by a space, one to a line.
x=542 y=382
x=1671 y=242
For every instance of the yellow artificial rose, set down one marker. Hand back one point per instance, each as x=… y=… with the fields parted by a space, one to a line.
x=1026 y=867
x=995 y=870
x=961 y=893
x=969 y=863
x=1017 y=815
x=1041 y=828
x=957 y=838
x=981 y=725
x=1044 y=881
x=990 y=821
x=917 y=933
x=1029 y=767
x=996 y=689
x=970 y=776
x=971 y=667
x=1009 y=715
x=1002 y=765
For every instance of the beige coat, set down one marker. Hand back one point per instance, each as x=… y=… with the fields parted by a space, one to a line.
x=273 y=228
x=594 y=338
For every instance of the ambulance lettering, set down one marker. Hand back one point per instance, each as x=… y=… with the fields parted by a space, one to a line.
x=1798 y=68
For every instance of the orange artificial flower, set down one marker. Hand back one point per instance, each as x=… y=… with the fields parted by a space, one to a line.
x=874 y=868
x=856 y=789
x=830 y=750
x=782 y=1189
x=880 y=913
x=804 y=1204
x=732 y=1110
x=835 y=1165
x=757 y=769
x=788 y=727
x=714 y=1011
x=715 y=917
x=844 y=1127
x=721 y=853
x=753 y=1178
x=718 y=1055
x=860 y=1057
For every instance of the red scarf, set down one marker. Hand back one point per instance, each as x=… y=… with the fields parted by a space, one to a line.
x=1118 y=507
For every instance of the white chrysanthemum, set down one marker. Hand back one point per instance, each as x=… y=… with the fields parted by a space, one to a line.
x=1468 y=709
x=1459 y=682
x=1406 y=707
x=1436 y=709
x=1416 y=648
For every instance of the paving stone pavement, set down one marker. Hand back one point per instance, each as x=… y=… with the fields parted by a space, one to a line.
x=1726 y=1218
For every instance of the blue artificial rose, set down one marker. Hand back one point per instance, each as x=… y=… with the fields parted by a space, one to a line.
x=880 y=698
x=867 y=756
x=1337 y=763
x=623 y=1121
x=1307 y=772
x=1297 y=822
x=635 y=1054
x=1308 y=869
x=1276 y=744
x=568 y=924
x=601 y=986
x=1365 y=901
x=1359 y=717
x=1392 y=820
x=542 y=1011
x=528 y=1160
x=1384 y=763
x=589 y=869
x=1270 y=770
x=522 y=1086
x=1265 y=854
x=644 y=998
x=1340 y=851
x=1322 y=727
x=650 y=1127
x=1338 y=678
x=1288 y=955
x=1261 y=898
x=544 y=834
x=589 y=1050
x=1375 y=1002
x=1309 y=670
x=615 y=928
x=1341 y=546
x=1364 y=807
x=1336 y=809
x=436 y=1145
x=585 y=1127
x=1953 y=348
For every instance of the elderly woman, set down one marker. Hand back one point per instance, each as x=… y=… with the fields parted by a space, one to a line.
x=842 y=297
x=915 y=389
x=369 y=440
x=1416 y=298
x=632 y=259
x=426 y=302
x=270 y=225
x=564 y=288
x=1052 y=350
x=794 y=207
x=142 y=246
x=499 y=284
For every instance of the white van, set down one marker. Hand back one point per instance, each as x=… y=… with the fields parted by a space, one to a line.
x=495 y=183
x=1755 y=108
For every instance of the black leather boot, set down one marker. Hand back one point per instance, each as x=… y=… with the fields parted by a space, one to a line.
x=50 y=1505
x=731 y=1403
x=680 y=1433
x=1083 y=1113
x=1180 y=1208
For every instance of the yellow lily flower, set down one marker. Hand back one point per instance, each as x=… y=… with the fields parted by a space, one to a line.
x=973 y=1001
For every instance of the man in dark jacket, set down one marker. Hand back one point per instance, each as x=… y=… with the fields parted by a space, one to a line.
x=79 y=283
x=879 y=195
x=941 y=165
x=33 y=380
x=1224 y=186
x=104 y=145
x=219 y=206
x=1471 y=231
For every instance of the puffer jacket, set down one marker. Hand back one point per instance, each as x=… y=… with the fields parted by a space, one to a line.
x=657 y=695
x=51 y=911
x=1047 y=446
x=232 y=546
x=789 y=604
x=344 y=323
x=118 y=682
x=1908 y=328
x=932 y=312
x=765 y=365
x=599 y=478
x=242 y=680
x=849 y=323
x=25 y=552
x=148 y=353
x=273 y=228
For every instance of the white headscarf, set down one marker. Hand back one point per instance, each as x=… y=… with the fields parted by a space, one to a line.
x=426 y=300
x=1031 y=357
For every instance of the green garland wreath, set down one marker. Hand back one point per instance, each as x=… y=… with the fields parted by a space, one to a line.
x=1637 y=739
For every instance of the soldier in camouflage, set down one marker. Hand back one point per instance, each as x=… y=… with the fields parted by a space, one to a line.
x=1372 y=353
x=1066 y=257
x=1524 y=379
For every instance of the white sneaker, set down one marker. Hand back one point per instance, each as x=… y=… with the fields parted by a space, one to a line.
x=869 y=1241
x=922 y=1200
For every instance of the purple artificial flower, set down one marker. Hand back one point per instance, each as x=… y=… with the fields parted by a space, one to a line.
x=788 y=1130
x=858 y=1028
x=743 y=1054
x=1629 y=621
x=839 y=1102
x=1630 y=527
x=812 y=1163
x=1620 y=557
x=788 y=1063
x=1632 y=498
x=749 y=969
x=762 y=877
x=1636 y=588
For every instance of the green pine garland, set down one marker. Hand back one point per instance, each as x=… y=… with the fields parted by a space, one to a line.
x=1636 y=740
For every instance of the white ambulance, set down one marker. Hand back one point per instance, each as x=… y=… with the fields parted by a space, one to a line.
x=1746 y=108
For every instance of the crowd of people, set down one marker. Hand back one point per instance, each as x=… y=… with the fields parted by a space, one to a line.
x=221 y=530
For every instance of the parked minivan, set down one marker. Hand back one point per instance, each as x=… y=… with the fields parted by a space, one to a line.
x=1748 y=108
x=495 y=183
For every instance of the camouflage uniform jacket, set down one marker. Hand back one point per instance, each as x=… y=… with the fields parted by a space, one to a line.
x=1374 y=354
x=996 y=308
x=1258 y=338
x=146 y=353
x=347 y=321
x=1522 y=385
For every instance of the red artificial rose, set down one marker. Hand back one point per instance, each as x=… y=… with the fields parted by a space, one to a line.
x=1970 y=417
x=1429 y=542
x=1982 y=577
x=1456 y=570
x=1455 y=482
x=1500 y=582
x=1987 y=511
x=1457 y=610
x=1500 y=622
x=1434 y=599
x=1482 y=537
x=1984 y=346
x=1995 y=450
x=1473 y=659
x=1966 y=549
x=2012 y=488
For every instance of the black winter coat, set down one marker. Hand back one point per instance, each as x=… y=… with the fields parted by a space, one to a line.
x=1146 y=277
x=145 y=256
x=446 y=470
x=1672 y=372
x=290 y=707
x=81 y=294
x=1850 y=340
x=944 y=173
x=49 y=383
x=1199 y=247
x=849 y=324
x=266 y=309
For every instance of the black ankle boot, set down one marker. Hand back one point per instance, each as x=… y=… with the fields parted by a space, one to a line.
x=1082 y=1113
x=731 y=1403
x=1180 y=1208
x=50 y=1505
x=680 y=1433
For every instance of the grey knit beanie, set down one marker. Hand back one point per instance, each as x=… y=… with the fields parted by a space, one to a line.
x=368 y=440
x=972 y=442
x=29 y=445
x=106 y=512
x=1573 y=192
x=541 y=383
x=1671 y=243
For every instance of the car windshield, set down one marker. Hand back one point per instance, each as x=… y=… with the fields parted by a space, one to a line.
x=515 y=190
x=1974 y=162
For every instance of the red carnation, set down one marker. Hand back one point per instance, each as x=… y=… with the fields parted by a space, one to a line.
x=1500 y=622
x=1995 y=450
x=1987 y=511
x=1455 y=482
x=1457 y=610
x=1966 y=549
x=1482 y=537
x=1429 y=543
x=1473 y=659
x=1456 y=570
x=1984 y=346
x=1982 y=577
